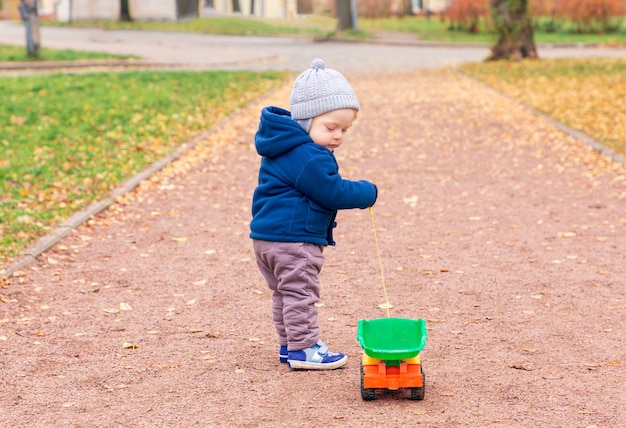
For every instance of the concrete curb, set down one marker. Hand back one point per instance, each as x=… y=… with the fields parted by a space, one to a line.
x=593 y=143
x=131 y=64
x=48 y=241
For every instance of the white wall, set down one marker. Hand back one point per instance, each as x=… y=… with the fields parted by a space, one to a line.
x=152 y=9
x=88 y=9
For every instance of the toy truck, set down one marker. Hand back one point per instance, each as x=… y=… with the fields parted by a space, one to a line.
x=391 y=358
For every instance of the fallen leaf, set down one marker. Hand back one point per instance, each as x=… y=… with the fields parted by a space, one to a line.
x=411 y=201
x=125 y=307
x=385 y=306
x=521 y=367
x=201 y=282
x=128 y=345
x=566 y=234
x=614 y=363
x=182 y=239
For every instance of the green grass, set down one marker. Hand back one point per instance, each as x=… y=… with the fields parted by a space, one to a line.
x=67 y=140
x=428 y=29
x=581 y=93
x=317 y=26
x=18 y=53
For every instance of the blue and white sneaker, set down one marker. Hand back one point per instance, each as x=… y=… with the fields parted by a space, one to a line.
x=317 y=357
x=283 y=354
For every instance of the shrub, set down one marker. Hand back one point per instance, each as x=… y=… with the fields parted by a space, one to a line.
x=544 y=15
x=466 y=14
x=593 y=16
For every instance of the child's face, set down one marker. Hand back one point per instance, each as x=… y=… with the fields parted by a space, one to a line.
x=329 y=128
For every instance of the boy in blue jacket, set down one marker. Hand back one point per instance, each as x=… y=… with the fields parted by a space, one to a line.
x=295 y=204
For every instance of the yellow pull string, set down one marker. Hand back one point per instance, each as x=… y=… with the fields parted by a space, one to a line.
x=385 y=305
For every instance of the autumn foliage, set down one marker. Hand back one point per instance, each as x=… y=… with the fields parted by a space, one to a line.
x=466 y=14
x=592 y=15
x=587 y=16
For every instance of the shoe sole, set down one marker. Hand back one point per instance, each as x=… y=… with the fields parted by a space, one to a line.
x=305 y=365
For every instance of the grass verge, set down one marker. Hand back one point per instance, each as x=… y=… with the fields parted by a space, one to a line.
x=67 y=140
x=429 y=29
x=581 y=93
x=18 y=53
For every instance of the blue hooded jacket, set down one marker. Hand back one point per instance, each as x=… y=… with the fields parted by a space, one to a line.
x=299 y=189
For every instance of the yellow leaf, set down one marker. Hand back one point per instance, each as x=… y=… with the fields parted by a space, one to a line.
x=614 y=363
x=385 y=306
x=128 y=345
x=182 y=239
x=566 y=234
x=125 y=307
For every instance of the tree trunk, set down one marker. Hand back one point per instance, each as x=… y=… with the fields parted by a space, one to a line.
x=28 y=13
x=513 y=26
x=344 y=15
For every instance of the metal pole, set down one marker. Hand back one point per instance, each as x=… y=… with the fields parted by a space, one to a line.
x=355 y=14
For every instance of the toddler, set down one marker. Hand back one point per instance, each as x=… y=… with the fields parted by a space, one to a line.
x=295 y=205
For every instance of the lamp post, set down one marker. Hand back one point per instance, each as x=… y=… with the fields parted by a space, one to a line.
x=355 y=14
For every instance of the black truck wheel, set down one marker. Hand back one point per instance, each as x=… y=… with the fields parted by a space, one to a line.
x=367 y=394
x=418 y=393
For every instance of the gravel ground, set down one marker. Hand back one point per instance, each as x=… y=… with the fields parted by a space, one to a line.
x=506 y=235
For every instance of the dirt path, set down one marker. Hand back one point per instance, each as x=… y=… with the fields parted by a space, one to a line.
x=506 y=235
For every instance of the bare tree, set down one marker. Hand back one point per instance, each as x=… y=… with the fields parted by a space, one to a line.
x=513 y=26
x=344 y=15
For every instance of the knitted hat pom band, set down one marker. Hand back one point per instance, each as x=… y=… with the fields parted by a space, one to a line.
x=320 y=106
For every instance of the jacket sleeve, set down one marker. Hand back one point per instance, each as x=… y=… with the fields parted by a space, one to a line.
x=319 y=180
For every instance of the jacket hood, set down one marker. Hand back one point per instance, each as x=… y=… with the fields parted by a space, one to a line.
x=278 y=133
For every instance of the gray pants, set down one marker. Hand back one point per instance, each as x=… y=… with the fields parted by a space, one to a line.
x=291 y=271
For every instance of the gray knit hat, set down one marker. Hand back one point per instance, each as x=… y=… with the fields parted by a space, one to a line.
x=319 y=90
